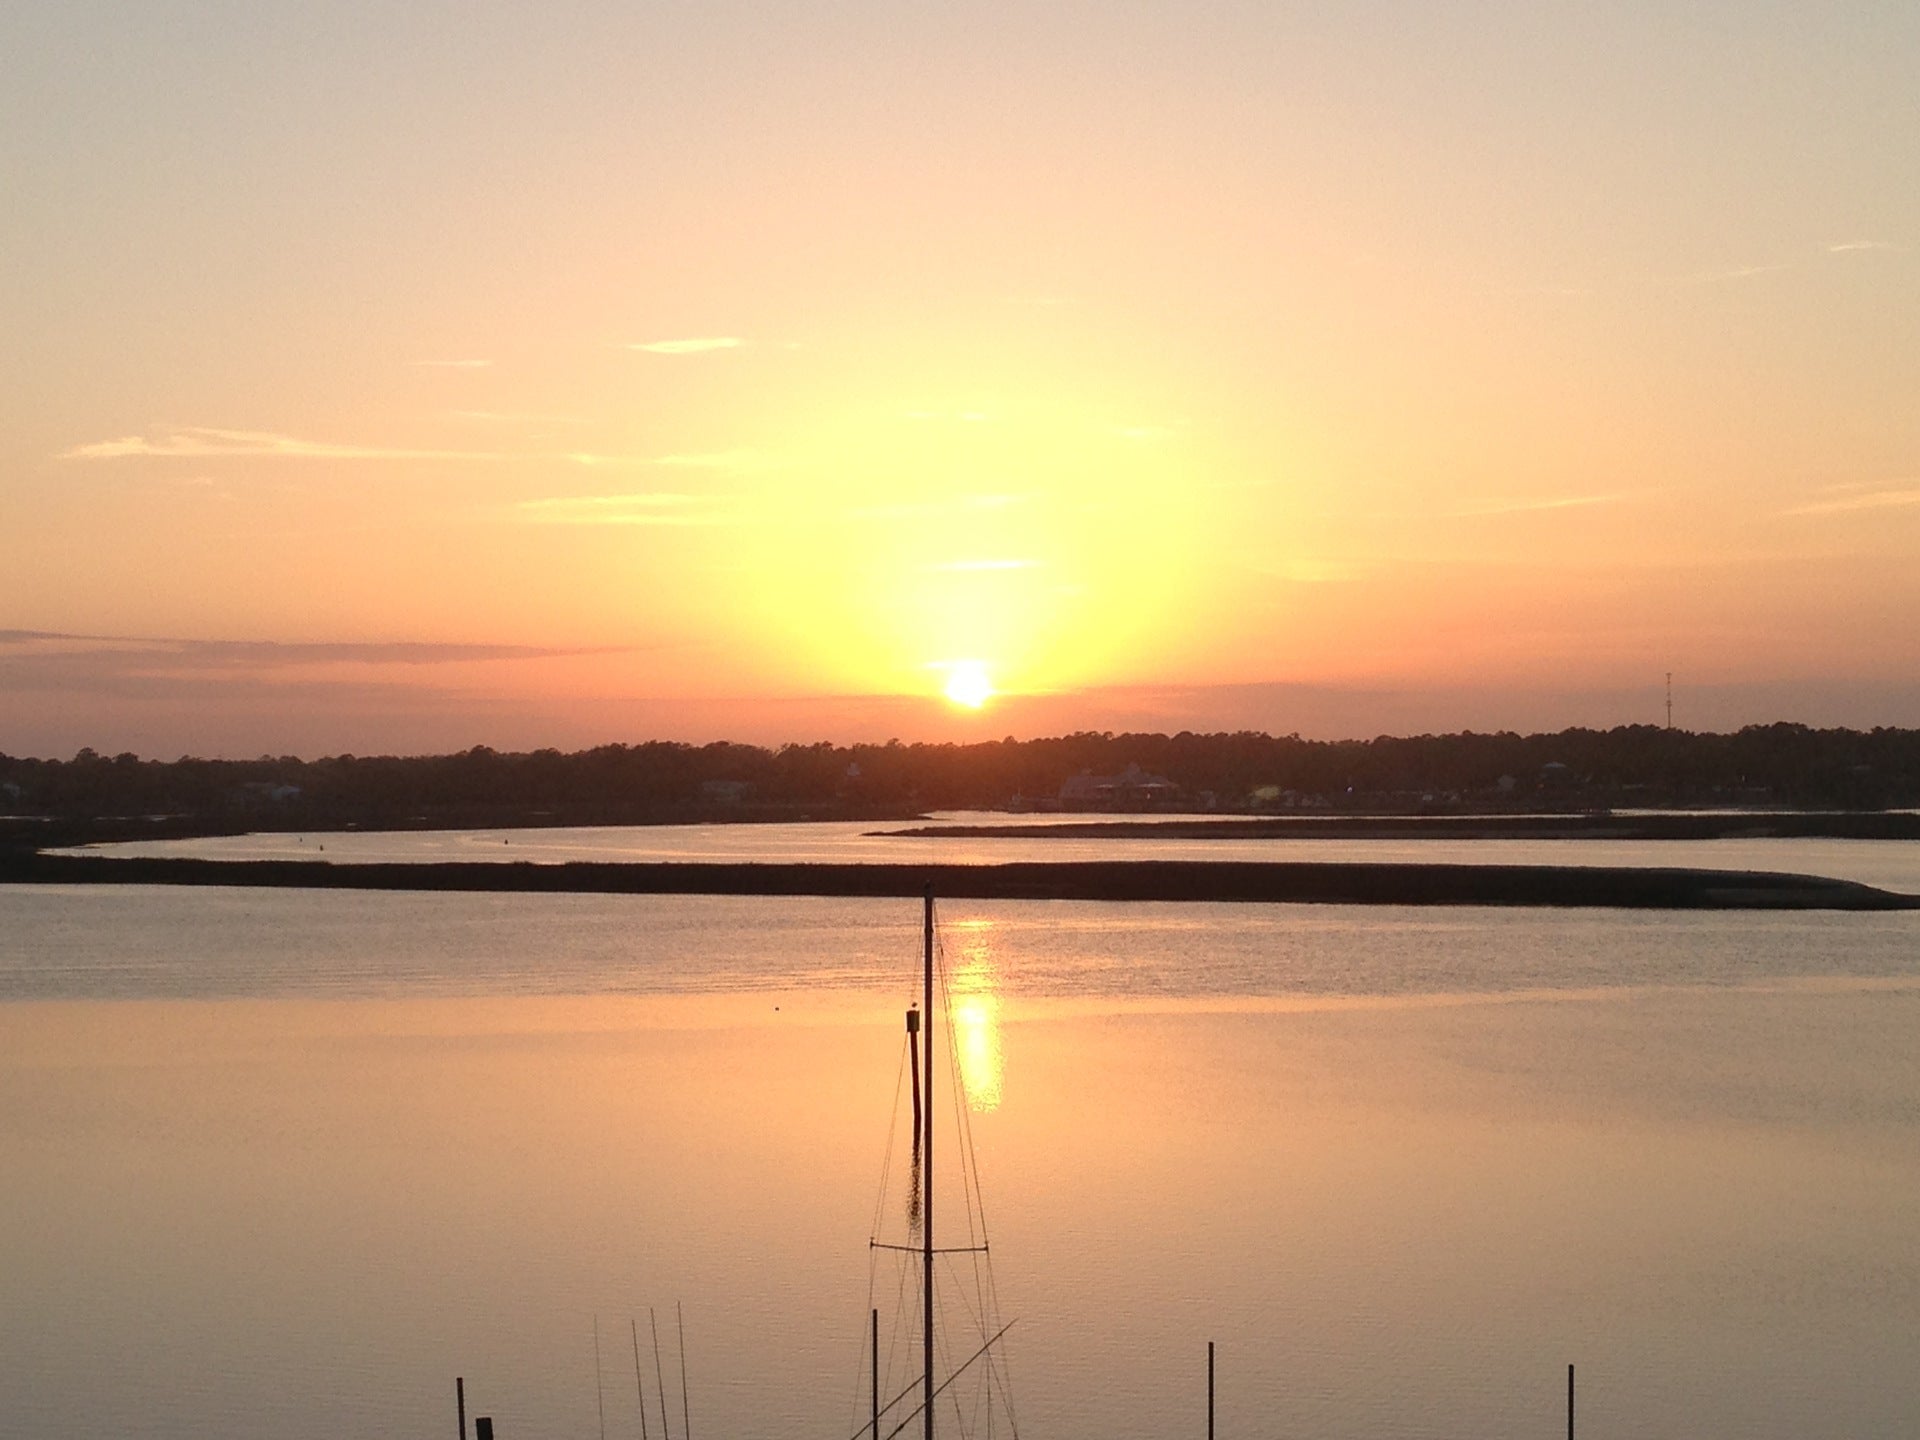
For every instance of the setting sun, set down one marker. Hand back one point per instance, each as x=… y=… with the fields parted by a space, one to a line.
x=967 y=684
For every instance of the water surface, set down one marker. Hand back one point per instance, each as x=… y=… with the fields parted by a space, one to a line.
x=285 y=1162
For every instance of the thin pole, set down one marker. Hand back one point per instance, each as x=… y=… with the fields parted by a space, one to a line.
x=686 y=1420
x=660 y=1383
x=875 y=1372
x=639 y=1390
x=599 y=1389
x=1569 y=1402
x=1209 y=1390
x=926 y=1170
x=460 y=1402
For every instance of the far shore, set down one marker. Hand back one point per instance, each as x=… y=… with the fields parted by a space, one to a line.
x=1125 y=880
x=1600 y=825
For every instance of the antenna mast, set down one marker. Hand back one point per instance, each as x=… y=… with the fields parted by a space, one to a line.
x=1669 y=699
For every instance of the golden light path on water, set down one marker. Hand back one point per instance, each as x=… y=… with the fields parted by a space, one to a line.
x=973 y=988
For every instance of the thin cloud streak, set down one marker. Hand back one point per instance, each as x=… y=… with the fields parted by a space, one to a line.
x=1897 y=497
x=922 y=509
x=1849 y=247
x=1738 y=272
x=514 y=417
x=1526 y=507
x=135 y=690
x=737 y=460
x=742 y=461
x=51 y=649
x=699 y=345
x=198 y=442
x=647 y=508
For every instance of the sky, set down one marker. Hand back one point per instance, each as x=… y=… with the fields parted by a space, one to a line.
x=403 y=378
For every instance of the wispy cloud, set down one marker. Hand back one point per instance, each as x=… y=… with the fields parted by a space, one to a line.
x=1843 y=499
x=515 y=417
x=653 y=507
x=279 y=653
x=742 y=461
x=589 y=458
x=1529 y=506
x=1850 y=247
x=734 y=460
x=202 y=443
x=698 y=345
x=1738 y=272
x=914 y=510
x=269 y=651
x=272 y=653
x=213 y=673
x=1565 y=292
x=453 y=364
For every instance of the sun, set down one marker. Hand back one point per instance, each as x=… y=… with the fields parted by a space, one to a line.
x=967 y=684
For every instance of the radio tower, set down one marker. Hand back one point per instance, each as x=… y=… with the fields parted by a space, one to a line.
x=1669 y=699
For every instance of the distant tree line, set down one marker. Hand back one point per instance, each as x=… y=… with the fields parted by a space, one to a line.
x=1784 y=765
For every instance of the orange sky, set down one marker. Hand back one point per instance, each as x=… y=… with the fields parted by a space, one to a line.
x=499 y=376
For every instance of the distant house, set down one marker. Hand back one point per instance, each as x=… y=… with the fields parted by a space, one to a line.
x=1132 y=789
x=1274 y=797
x=725 y=792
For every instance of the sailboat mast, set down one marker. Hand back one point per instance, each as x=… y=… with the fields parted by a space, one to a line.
x=926 y=1168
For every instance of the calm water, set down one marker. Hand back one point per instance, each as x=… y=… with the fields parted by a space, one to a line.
x=283 y=1163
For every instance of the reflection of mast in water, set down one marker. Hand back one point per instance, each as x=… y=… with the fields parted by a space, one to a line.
x=913 y=1065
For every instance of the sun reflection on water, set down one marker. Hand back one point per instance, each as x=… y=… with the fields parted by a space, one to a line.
x=973 y=989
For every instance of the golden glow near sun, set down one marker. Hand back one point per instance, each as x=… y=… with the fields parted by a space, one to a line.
x=967 y=684
x=1043 y=541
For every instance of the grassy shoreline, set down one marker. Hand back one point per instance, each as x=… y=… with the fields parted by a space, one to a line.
x=1599 y=825
x=1253 y=882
